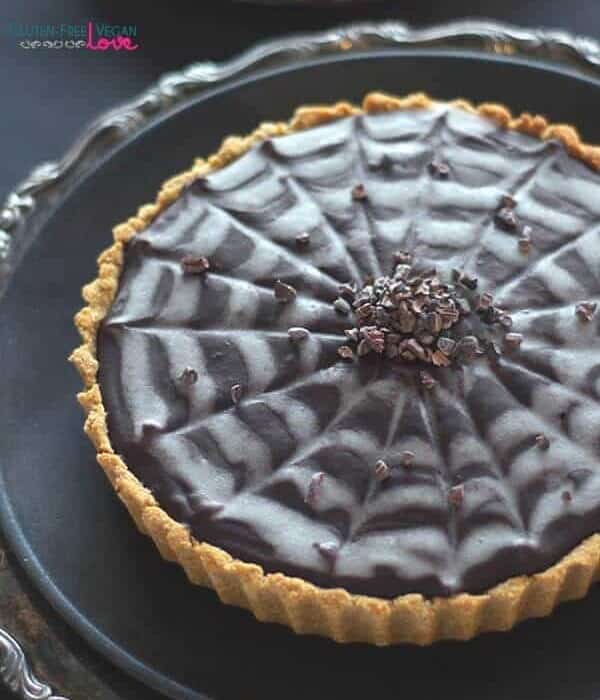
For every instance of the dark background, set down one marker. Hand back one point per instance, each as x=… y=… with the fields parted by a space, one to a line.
x=47 y=97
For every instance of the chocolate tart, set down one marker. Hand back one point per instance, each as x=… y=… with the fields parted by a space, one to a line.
x=344 y=370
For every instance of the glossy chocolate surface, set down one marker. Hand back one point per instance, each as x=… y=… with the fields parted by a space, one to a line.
x=246 y=476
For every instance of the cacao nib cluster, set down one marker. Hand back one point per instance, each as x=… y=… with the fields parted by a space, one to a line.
x=406 y=317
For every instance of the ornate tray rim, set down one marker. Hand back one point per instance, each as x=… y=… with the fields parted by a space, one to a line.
x=29 y=205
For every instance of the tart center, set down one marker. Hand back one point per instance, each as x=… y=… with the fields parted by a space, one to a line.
x=338 y=464
x=410 y=316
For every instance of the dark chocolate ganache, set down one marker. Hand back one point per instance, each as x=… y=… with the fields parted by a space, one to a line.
x=228 y=397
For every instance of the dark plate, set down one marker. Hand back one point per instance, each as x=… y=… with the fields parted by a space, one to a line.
x=75 y=539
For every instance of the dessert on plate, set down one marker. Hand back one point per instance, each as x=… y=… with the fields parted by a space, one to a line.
x=344 y=371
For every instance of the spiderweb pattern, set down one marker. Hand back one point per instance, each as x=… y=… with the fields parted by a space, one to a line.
x=239 y=475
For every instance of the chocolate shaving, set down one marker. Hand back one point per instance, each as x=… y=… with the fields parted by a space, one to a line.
x=403 y=257
x=382 y=470
x=284 y=293
x=585 y=310
x=346 y=352
x=427 y=380
x=484 y=301
x=348 y=291
x=542 y=442
x=236 y=392
x=195 y=265
x=297 y=334
x=513 y=340
x=440 y=359
x=507 y=219
x=456 y=495
x=524 y=245
x=188 y=376
x=328 y=550
x=469 y=282
x=414 y=348
x=314 y=487
x=433 y=322
x=342 y=306
x=446 y=345
x=374 y=337
x=439 y=169
x=359 y=192
x=303 y=239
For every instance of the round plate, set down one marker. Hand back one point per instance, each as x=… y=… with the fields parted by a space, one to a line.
x=75 y=539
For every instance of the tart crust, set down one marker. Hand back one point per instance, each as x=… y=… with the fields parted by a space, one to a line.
x=302 y=606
